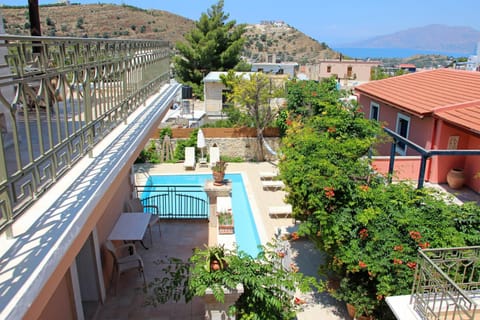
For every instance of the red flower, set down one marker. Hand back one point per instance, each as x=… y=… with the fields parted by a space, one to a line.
x=298 y=301
x=424 y=245
x=362 y=264
x=281 y=254
x=363 y=233
x=397 y=261
x=331 y=130
x=294 y=267
x=364 y=188
x=411 y=264
x=398 y=248
x=329 y=192
x=415 y=235
x=295 y=236
x=289 y=122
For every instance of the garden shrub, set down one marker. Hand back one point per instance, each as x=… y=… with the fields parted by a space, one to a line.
x=369 y=229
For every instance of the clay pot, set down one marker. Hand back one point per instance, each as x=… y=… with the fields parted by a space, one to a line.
x=215 y=265
x=351 y=313
x=218 y=177
x=456 y=178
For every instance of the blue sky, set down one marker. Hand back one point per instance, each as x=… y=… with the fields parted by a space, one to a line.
x=333 y=22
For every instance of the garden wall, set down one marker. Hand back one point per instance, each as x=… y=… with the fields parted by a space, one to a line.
x=405 y=167
x=233 y=142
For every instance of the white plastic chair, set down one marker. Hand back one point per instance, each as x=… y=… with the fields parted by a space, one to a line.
x=214 y=156
x=125 y=258
x=189 y=162
x=136 y=205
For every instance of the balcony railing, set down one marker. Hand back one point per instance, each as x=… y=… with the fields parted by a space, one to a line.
x=447 y=284
x=58 y=98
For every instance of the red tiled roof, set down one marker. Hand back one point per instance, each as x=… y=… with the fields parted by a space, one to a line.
x=421 y=93
x=465 y=115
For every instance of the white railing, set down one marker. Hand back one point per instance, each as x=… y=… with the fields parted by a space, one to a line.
x=447 y=284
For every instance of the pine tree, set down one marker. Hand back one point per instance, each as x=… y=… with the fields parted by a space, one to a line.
x=213 y=45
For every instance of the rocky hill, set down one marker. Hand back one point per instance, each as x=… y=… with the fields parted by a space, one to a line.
x=268 y=40
x=433 y=37
x=275 y=41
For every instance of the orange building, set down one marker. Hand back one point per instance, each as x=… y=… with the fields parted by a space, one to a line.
x=436 y=110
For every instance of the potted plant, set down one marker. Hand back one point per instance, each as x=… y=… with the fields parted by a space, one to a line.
x=359 y=304
x=214 y=257
x=225 y=222
x=218 y=172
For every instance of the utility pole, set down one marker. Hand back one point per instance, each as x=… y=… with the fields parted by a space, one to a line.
x=34 y=16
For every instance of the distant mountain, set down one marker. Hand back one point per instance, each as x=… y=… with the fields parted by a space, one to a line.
x=435 y=37
x=271 y=41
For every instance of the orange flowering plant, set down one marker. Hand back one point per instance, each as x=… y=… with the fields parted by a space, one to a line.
x=370 y=230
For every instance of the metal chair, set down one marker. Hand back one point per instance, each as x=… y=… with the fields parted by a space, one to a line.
x=125 y=258
x=136 y=205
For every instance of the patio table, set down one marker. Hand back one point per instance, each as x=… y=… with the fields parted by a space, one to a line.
x=130 y=226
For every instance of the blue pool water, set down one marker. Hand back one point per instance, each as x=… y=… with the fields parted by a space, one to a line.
x=245 y=229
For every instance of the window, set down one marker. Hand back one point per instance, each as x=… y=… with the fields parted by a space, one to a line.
x=329 y=69
x=349 y=72
x=403 y=126
x=225 y=102
x=374 y=111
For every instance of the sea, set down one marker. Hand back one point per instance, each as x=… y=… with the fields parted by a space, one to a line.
x=376 y=53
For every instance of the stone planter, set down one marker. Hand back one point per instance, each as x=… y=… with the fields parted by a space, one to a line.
x=226 y=229
x=456 y=178
x=225 y=223
x=215 y=310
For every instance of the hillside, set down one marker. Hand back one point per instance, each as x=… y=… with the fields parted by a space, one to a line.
x=127 y=22
x=283 y=43
x=432 y=37
x=100 y=21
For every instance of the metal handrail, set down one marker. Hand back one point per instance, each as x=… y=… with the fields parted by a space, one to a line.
x=446 y=282
x=58 y=98
x=175 y=201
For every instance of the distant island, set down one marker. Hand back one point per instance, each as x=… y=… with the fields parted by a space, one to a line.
x=431 y=39
x=379 y=53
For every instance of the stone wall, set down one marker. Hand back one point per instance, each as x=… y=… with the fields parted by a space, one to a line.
x=233 y=142
x=242 y=147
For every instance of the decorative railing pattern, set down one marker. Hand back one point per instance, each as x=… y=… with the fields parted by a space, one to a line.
x=176 y=202
x=61 y=96
x=447 y=283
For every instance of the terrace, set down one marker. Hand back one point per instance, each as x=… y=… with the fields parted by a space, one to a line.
x=75 y=114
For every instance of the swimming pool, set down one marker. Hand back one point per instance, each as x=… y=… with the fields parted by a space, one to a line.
x=246 y=234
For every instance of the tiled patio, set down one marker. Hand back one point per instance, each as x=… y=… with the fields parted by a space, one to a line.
x=176 y=239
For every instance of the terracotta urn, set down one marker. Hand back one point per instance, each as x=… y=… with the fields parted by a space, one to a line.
x=456 y=178
x=218 y=178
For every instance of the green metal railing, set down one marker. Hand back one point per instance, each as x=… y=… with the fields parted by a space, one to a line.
x=58 y=98
x=175 y=201
x=447 y=284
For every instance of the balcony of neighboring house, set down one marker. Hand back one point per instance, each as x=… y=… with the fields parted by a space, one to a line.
x=75 y=113
x=446 y=286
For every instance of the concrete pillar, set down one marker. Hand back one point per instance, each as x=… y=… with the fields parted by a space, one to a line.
x=213 y=192
x=215 y=310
